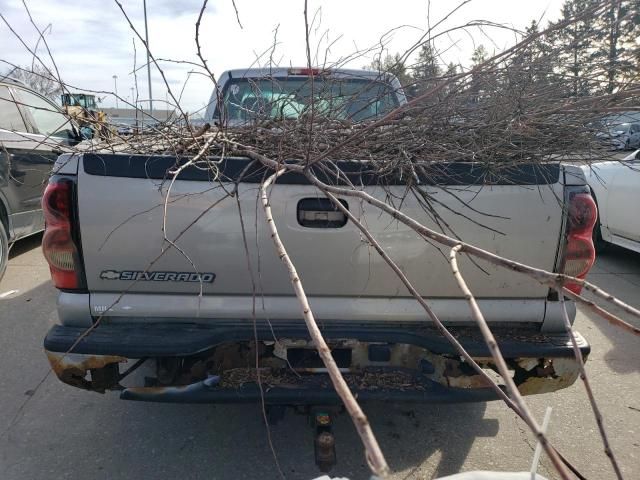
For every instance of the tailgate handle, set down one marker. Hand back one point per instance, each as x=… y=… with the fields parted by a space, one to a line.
x=320 y=213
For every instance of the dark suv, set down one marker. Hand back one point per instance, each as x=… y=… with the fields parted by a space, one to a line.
x=33 y=131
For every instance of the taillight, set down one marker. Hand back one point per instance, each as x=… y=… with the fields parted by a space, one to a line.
x=579 y=253
x=58 y=244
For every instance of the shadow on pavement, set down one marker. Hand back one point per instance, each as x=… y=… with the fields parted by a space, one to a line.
x=617 y=271
x=24 y=321
x=619 y=260
x=97 y=437
x=24 y=245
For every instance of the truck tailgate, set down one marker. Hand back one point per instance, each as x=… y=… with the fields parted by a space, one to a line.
x=121 y=202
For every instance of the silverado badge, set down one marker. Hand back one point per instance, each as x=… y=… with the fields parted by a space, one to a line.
x=146 y=276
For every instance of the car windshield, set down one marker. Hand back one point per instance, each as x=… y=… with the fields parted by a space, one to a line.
x=291 y=97
x=621 y=127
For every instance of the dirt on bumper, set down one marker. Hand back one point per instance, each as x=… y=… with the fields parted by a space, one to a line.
x=413 y=371
x=195 y=362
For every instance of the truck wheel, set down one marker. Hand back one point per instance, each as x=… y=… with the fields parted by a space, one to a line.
x=4 y=250
x=599 y=243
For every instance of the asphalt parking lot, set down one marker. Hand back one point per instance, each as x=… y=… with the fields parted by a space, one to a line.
x=62 y=432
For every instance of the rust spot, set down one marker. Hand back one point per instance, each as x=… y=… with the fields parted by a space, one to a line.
x=531 y=375
x=550 y=375
x=72 y=368
x=452 y=372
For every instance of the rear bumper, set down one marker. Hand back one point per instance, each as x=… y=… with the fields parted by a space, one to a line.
x=179 y=339
x=542 y=363
x=430 y=392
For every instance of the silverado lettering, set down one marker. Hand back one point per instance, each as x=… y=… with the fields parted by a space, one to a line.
x=157 y=276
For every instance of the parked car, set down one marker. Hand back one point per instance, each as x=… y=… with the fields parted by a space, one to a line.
x=125 y=129
x=33 y=132
x=615 y=186
x=202 y=329
x=622 y=136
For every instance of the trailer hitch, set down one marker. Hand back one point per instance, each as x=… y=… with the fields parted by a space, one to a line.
x=324 y=443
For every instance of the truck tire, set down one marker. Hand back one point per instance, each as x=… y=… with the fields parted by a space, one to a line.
x=599 y=243
x=4 y=250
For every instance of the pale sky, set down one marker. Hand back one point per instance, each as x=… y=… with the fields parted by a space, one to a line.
x=91 y=40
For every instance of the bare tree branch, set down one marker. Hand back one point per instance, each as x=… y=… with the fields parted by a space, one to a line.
x=374 y=455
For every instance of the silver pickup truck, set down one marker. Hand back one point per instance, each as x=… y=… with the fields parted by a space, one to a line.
x=198 y=316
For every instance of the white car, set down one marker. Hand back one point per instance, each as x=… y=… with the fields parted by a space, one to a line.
x=623 y=136
x=616 y=189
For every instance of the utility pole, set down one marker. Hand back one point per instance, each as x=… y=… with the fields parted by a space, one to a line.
x=115 y=84
x=146 y=35
x=134 y=100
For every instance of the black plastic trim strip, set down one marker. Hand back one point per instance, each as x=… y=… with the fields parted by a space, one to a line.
x=359 y=173
x=431 y=392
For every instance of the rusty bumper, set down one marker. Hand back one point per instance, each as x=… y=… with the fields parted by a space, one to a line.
x=201 y=392
x=419 y=365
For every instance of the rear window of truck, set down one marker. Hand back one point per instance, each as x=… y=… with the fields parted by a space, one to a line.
x=250 y=99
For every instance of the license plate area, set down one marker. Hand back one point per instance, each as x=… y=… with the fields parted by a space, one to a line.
x=308 y=359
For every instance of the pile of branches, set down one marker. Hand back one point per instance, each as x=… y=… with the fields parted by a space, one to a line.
x=533 y=126
x=513 y=107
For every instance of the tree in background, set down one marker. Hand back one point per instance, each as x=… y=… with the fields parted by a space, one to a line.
x=395 y=65
x=616 y=36
x=452 y=69
x=38 y=78
x=577 y=43
x=570 y=57
x=593 y=41
x=479 y=87
x=426 y=73
x=535 y=67
x=479 y=55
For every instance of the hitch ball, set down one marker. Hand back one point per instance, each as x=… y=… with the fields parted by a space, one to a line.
x=325 y=450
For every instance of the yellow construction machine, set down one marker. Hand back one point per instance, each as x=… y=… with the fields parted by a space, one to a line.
x=83 y=109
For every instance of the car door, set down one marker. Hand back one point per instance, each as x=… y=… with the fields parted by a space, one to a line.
x=29 y=149
x=15 y=176
x=634 y=141
x=623 y=201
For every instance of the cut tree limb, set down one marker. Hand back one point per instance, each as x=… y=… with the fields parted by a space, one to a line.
x=587 y=386
x=501 y=364
x=374 y=455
